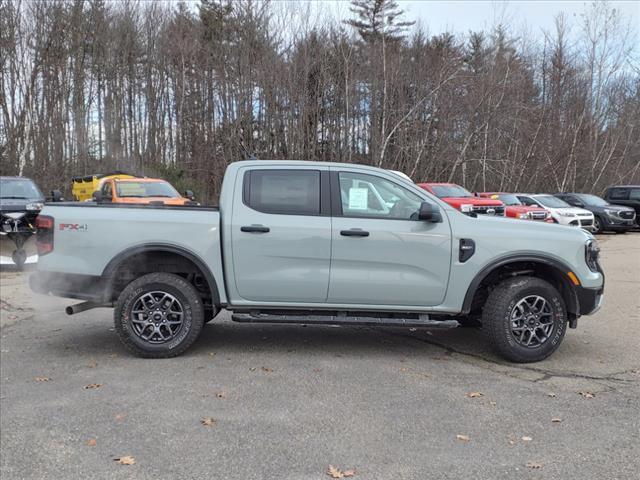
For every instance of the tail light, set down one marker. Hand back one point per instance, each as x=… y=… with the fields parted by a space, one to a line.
x=44 y=234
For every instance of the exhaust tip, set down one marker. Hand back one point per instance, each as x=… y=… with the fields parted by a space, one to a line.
x=69 y=310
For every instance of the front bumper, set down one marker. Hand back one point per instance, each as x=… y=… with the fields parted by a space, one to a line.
x=590 y=300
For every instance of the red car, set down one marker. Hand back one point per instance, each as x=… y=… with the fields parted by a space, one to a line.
x=514 y=208
x=463 y=200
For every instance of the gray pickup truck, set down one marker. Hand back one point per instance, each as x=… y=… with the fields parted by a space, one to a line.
x=318 y=243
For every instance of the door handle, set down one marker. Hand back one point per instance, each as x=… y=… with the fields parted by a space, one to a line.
x=254 y=229
x=354 y=232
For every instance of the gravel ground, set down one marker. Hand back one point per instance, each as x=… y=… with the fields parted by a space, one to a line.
x=288 y=401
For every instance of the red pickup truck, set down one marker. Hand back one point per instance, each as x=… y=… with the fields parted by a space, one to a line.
x=514 y=208
x=463 y=200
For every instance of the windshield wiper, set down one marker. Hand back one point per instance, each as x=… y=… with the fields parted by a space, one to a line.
x=17 y=198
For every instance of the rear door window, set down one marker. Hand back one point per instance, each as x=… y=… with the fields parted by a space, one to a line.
x=634 y=194
x=284 y=192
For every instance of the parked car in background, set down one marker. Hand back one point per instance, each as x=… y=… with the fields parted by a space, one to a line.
x=82 y=188
x=625 y=195
x=607 y=217
x=140 y=191
x=463 y=200
x=514 y=208
x=560 y=211
x=20 y=203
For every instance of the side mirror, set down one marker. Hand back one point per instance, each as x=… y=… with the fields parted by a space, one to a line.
x=429 y=213
x=189 y=194
x=56 y=196
x=97 y=196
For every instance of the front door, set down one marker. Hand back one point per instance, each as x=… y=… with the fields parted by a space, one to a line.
x=381 y=254
x=281 y=234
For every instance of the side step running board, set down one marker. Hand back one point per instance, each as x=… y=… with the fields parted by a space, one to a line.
x=422 y=322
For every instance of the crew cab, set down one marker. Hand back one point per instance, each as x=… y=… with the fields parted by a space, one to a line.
x=514 y=208
x=606 y=217
x=560 y=211
x=318 y=243
x=463 y=200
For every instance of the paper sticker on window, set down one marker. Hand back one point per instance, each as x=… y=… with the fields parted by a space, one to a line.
x=358 y=198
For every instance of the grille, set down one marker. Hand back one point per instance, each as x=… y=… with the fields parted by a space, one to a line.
x=626 y=214
x=491 y=210
x=538 y=215
x=586 y=223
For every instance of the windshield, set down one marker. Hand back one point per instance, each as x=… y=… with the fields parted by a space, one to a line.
x=508 y=199
x=19 y=188
x=146 y=189
x=589 y=199
x=551 y=201
x=443 y=191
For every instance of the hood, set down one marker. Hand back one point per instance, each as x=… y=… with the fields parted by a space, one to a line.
x=479 y=201
x=523 y=209
x=573 y=210
x=17 y=204
x=618 y=208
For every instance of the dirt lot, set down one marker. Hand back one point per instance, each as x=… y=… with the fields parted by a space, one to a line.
x=288 y=401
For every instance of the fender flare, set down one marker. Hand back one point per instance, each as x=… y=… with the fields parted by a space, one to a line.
x=560 y=267
x=116 y=261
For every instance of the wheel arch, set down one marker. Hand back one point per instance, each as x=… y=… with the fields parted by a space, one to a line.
x=548 y=268
x=154 y=250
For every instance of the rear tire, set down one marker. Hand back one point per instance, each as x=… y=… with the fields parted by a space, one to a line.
x=524 y=319
x=158 y=315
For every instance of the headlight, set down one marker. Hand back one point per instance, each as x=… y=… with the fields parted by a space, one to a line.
x=35 y=206
x=591 y=255
x=566 y=214
x=611 y=213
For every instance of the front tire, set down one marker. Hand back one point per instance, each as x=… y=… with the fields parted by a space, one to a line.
x=524 y=319
x=159 y=315
x=597 y=225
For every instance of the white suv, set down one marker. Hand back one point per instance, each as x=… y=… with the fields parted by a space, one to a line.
x=560 y=211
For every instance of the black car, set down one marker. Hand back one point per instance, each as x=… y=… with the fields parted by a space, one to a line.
x=627 y=195
x=607 y=217
x=20 y=203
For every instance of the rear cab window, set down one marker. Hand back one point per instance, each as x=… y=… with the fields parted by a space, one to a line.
x=283 y=191
x=619 y=193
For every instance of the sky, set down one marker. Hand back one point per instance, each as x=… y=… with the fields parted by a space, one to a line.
x=463 y=15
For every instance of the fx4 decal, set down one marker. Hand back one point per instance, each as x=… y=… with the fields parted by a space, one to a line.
x=73 y=226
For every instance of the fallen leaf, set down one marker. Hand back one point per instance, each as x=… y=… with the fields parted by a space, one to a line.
x=556 y=420
x=587 y=394
x=526 y=439
x=42 y=379
x=492 y=403
x=126 y=460
x=92 y=365
x=91 y=443
x=551 y=394
x=221 y=395
x=120 y=416
x=113 y=355
x=511 y=442
x=474 y=394
x=533 y=465
x=267 y=369
x=404 y=369
x=212 y=354
x=334 y=472
x=92 y=386
x=208 y=421
x=463 y=438
x=253 y=369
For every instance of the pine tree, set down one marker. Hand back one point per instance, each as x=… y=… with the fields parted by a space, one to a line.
x=377 y=20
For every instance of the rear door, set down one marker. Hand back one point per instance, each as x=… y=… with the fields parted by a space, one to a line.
x=381 y=255
x=281 y=234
